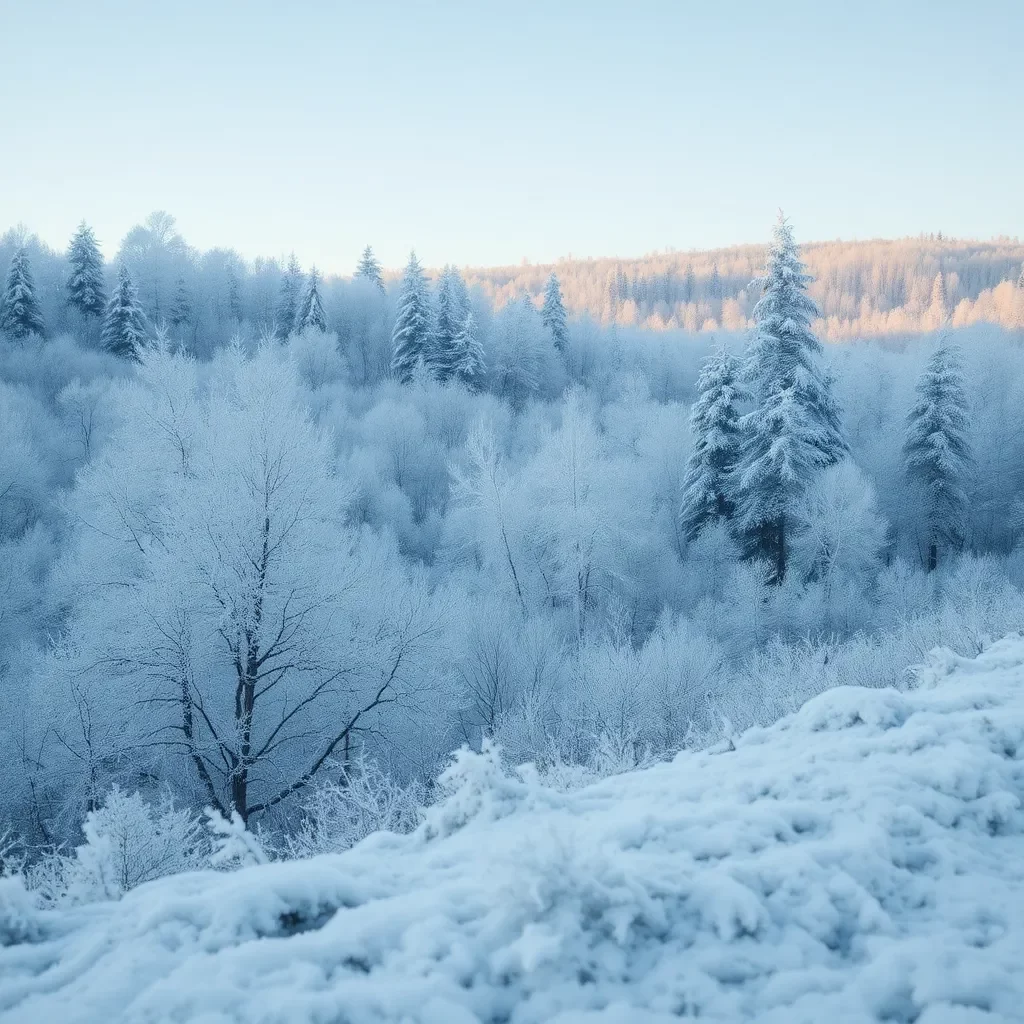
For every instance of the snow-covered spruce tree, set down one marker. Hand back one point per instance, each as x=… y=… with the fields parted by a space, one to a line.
x=124 y=326
x=412 y=336
x=20 y=314
x=311 y=310
x=181 y=305
x=937 y=452
x=370 y=268
x=235 y=310
x=715 y=425
x=553 y=313
x=790 y=393
x=288 y=303
x=86 y=291
x=469 y=366
x=450 y=315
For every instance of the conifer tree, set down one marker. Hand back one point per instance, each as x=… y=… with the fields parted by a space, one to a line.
x=795 y=429
x=450 y=316
x=181 y=305
x=86 y=291
x=124 y=326
x=370 y=269
x=288 y=303
x=413 y=332
x=553 y=314
x=234 y=296
x=469 y=362
x=937 y=452
x=715 y=425
x=311 y=310
x=20 y=314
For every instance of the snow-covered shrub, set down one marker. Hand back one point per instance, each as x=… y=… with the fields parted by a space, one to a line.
x=19 y=912
x=365 y=799
x=128 y=841
x=233 y=845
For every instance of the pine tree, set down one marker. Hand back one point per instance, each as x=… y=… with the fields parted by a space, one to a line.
x=790 y=394
x=234 y=296
x=450 y=316
x=20 y=314
x=311 y=311
x=370 y=269
x=181 y=305
x=413 y=332
x=553 y=314
x=124 y=326
x=715 y=425
x=937 y=452
x=469 y=363
x=288 y=303
x=86 y=291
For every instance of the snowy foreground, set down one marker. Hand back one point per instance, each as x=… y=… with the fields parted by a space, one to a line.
x=862 y=860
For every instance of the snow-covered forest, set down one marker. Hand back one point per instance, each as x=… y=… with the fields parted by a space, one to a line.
x=273 y=546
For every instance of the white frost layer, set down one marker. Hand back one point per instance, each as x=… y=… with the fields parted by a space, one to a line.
x=859 y=861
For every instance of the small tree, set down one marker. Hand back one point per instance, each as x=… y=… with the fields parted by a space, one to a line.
x=86 y=291
x=124 y=326
x=181 y=306
x=413 y=331
x=370 y=268
x=288 y=303
x=20 y=314
x=715 y=424
x=311 y=311
x=937 y=452
x=553 y=314
x=469 y=365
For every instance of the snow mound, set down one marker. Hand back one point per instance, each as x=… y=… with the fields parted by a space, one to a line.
x=862 y=860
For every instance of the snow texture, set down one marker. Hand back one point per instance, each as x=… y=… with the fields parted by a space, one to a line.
x=862 y=860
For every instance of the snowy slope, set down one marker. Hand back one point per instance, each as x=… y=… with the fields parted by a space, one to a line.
x=861 y=861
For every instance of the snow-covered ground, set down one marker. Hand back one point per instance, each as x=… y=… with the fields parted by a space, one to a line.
x=862 y=860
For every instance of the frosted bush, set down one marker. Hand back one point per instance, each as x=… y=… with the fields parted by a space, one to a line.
x=365 y=799
x=232 y=844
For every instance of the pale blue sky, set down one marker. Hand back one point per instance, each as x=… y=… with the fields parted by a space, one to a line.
x=486 y=132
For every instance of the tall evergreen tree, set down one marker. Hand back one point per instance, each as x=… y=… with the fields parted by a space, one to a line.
x=20 y=314
x=553 y=314
x=715 y=425
x=311 y=310
x=450 y=316
x=937 y=452
x=234 y=296
x=181 y=305
x=288 y=303
x=124 y=327
x=469 y=362
x=413 y=332
x=86 y=291
x=794 y=429
x=370 y=269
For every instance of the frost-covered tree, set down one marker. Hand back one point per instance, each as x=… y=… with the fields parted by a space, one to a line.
x=181 y=305
x=553 y=313
x=795 y=429
x=20 y=314
x=412 y=336
x=86 y=291
x=311 y=310
x=781 y=455
x=937 y=452
x=469 y=363
x=235 y=310
x=370 y=268
x=715 y=426
x=288 y=301
x=124 y=327
x=450 y=316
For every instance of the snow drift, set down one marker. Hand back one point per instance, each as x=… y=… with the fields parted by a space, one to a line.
x=862 y=860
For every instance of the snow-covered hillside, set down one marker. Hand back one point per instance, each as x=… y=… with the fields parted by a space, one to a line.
x=862 y=860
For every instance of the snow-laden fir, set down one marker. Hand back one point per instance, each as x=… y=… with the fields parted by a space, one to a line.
x=860 y=861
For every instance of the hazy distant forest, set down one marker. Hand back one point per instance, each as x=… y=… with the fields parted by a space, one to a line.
x=277 y=544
